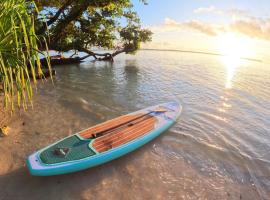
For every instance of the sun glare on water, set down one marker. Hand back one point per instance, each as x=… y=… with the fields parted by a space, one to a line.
x=234 y=48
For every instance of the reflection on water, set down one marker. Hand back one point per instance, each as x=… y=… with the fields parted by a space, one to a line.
x=219 y=149
x=225 y=147
x=231 y=63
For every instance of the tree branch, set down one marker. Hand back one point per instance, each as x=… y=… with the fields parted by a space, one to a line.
x=74 y=13
x=90 y=53
x=102 y=56
x=54 y=18
x=118 y=52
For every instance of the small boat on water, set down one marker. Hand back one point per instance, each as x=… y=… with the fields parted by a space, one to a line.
x=104 y=142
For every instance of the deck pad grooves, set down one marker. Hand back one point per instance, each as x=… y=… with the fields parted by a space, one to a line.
x=124 y=135
x=107 y=125
x=120 y=133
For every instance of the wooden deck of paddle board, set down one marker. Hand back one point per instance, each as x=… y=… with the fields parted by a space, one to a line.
x=122 y=135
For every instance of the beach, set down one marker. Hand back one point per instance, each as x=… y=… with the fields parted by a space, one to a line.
x=123 y=178
x=216 y=150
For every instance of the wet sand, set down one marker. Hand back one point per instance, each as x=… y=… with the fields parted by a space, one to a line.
x=143 y=174
x=119 y=179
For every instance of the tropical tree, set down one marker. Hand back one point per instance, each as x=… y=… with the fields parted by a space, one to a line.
x=82 y=25
x=19 y=54
x=62 y=25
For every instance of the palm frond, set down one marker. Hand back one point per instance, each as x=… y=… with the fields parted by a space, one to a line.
x=19 y=54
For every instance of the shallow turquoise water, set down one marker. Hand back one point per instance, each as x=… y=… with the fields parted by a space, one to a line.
x=219 y=149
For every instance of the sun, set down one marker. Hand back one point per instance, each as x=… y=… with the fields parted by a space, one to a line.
x=235 y=45
x=234 y=49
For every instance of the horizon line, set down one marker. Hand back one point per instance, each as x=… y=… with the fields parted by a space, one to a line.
x=198 y=52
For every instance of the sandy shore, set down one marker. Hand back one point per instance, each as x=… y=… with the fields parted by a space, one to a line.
x=144 y=174
x=8 y=143
x=25 y=136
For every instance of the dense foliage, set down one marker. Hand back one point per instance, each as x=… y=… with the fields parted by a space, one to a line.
x=19 y=55
x=86 y=24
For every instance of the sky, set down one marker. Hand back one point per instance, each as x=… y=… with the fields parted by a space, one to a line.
x=227 y=27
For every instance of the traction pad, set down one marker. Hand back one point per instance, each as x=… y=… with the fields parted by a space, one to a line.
x=78 y=149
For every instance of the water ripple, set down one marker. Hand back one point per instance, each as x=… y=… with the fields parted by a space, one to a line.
x=222 y=139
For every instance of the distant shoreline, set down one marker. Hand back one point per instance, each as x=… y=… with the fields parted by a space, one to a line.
x=199 y=52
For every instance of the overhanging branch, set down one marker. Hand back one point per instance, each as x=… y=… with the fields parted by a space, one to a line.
x=54 y=18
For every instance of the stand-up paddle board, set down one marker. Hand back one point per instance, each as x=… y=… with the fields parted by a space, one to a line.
x=104 y=142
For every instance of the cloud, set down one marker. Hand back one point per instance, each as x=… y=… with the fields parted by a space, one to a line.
x=241 y=22
x=253 y=27
x=171 y=22
x=199 y=26
x=210 y=9
x=233 y=12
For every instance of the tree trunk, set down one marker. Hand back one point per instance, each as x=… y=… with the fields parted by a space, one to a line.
x=60 y=61
x=44 y=26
